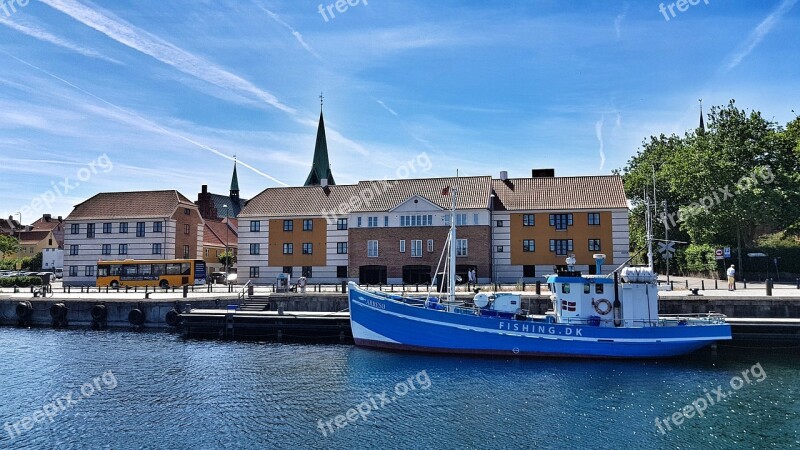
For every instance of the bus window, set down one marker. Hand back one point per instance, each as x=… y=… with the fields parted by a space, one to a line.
x=159 y=269
x=130 y=270
x=173 y=269
x=102 y=271
x=186 y=268
x=116 y=269
x=145 y=270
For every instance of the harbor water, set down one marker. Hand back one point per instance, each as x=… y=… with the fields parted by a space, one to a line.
x=77 y=389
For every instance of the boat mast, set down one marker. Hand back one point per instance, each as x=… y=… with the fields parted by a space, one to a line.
x=649 y=225
x=451 y=291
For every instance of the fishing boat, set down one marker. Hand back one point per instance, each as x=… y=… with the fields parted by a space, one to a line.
x=592 y=316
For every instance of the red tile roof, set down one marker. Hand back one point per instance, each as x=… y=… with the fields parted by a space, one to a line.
x=312 y=201
x=42 y=224
x=131 y=205
x=473 y=192
x=33 y=237
x=214 y=234
x=560 y=193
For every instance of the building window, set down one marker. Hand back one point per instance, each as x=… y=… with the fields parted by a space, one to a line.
x=288 y=270
x=341 y=224
x=255 y=249
x=422 y=220
x=386 y=221
x=208 y=252
x=359 y=222
x=123 y=227
x=106 y=249
x=402 y=245
x=288 y=248
x=75 y=228
x=594 y=218
x=308 y=224
x=594 y=245
x=416 y=248
x=461 y=247
x=308 y=248
x=461 y=219
x=500 y=249
x=528 y=220
x=157 y=249
x=307 y=271
x=186 y=228
x=140 y=229
x=157 y=227
x=255 y=227
x=560 y=246
x=341 y=271
x=106 y=228
x=372 y=222
x=447 y=219
x=561 y=221
x=372 y=249
x=186 y=211
x=430 y=245
x=288 y=225
x=185 y=251
x=123 y=249
x=499 y=223
x=254 y=272
x=528 y=245
x=528 y=271
x=89 y=230
x=73 y=250
x=88 y=271
x=341 y=248
x=73 y=271
x=475 y=219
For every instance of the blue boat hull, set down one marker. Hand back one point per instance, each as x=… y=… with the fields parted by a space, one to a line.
x=379 y=321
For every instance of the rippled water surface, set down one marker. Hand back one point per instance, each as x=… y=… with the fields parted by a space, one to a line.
x=155 y=390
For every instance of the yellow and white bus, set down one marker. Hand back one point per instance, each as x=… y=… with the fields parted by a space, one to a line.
x=157 y=272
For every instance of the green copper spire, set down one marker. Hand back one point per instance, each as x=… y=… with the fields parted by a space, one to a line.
x=321 y=167
x=235 y=178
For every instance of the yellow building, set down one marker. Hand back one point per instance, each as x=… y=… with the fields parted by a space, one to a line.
x=33 y=242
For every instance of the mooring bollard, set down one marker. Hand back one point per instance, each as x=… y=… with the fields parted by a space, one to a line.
x=687 y=284
x=715 y=284
x=523 y=286
x=743 y=281
x=768 y=282
x=671 y=285
x=538 y=288
x=185 y=291
x=702 y=285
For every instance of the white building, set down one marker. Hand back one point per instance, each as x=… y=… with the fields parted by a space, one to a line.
x=129 y=225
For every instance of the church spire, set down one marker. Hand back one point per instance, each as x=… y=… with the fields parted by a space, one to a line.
x=321 y=166
x=702 y=128
x=234 y=182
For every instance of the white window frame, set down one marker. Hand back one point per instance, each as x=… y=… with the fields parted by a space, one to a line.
x=372 y=249
x=402 y=245
x=462 y=247
x=416 y=248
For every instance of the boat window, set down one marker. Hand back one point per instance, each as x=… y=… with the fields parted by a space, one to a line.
x=565 y=288
x=586 y=288
x=598 y=288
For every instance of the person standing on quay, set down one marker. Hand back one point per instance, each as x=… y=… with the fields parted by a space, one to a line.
x=731 y=278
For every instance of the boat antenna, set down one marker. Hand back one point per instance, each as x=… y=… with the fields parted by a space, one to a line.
x=451 y=291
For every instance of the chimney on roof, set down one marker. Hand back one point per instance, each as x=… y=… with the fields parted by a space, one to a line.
x=204 y=189
x=504 y=175
x=323 y=182
x=47 y=217
x=60 y=219
x=547 y=173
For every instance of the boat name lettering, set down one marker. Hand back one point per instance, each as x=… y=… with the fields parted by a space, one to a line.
x=539 y=329
x=373 y=303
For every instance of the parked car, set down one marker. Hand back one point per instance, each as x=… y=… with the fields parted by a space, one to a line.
x=218 y=277
x=59 y=272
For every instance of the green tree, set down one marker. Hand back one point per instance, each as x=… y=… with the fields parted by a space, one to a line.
x=8 y=245
x=227 y=258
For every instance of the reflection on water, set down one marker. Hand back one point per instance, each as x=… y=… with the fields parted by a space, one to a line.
x=172 y=393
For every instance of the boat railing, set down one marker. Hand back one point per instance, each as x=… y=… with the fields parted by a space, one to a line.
x=662 y=321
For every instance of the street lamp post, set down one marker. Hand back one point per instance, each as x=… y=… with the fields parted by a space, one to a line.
x=226 y=243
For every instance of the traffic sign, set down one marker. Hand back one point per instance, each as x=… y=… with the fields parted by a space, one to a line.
x=718 y=254
x=727 y=252
x=666 y=249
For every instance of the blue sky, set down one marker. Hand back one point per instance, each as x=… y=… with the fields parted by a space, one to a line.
x=114 y=96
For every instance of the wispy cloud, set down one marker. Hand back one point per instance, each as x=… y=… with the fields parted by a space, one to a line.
x=759 y=32
x=155 y=47
x=385 y=107
x=132 y=117
x=618 y=21
x=48 y=37
x=598 y=131
x=295 y=33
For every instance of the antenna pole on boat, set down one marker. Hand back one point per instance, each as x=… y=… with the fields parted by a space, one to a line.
x=649 y=225
x=451 y=291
